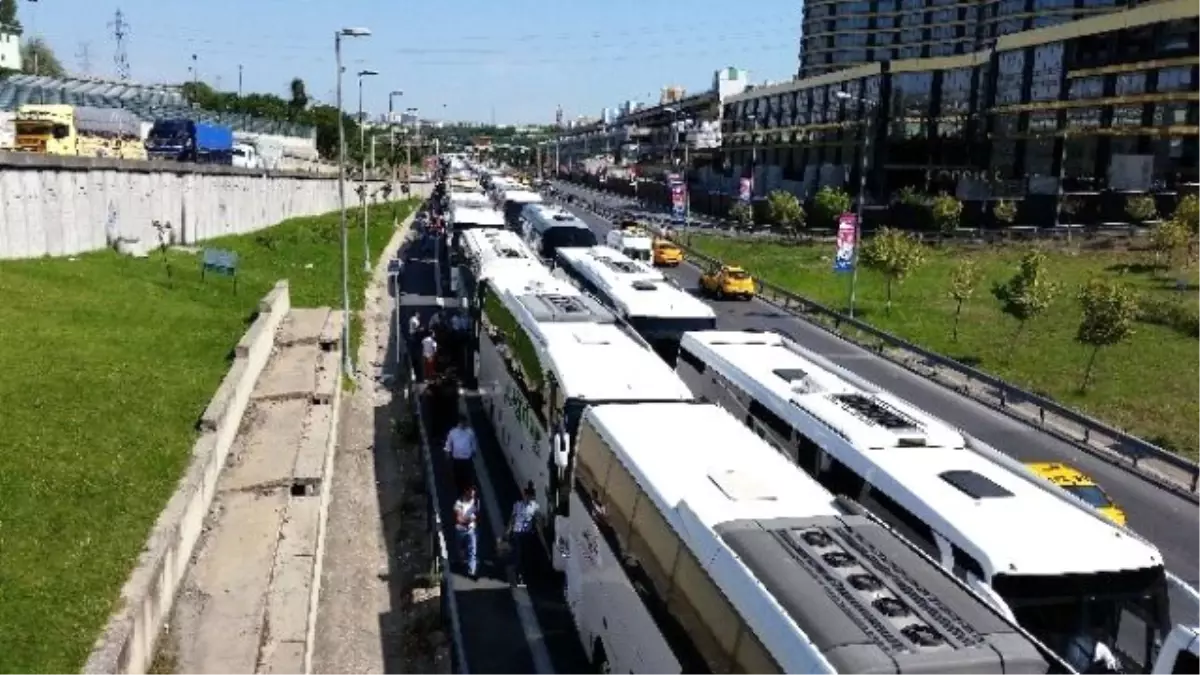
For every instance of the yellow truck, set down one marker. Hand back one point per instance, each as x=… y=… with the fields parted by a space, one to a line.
x=79 y=131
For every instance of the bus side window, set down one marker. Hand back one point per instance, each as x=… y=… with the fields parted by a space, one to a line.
x=692 y=361
x=839 y=478
x=807 y=452
x=902 y=520
x=964 y=564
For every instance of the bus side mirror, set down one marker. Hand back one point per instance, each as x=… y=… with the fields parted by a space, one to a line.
x=561 y=454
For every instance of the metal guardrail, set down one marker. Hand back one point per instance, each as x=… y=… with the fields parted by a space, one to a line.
x=1121 y=443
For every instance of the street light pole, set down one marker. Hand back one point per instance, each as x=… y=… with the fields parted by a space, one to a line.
x=347 y=363
x=362 y=179
x=869 y=110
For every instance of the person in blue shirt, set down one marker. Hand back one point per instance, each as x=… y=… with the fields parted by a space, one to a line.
x=522 y=532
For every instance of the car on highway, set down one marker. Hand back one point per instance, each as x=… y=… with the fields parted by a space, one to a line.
x=727 y=281
x=667 y=253
x=1079 y=484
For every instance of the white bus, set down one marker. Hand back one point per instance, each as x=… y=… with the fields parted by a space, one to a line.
x=655 y=307
x=632 y=240
x=469 y=199
x=484 y=250
x=545 y=351
x=694 y=547
x=1058 y=569
x=463 y=218
x=513 y=201
x=549 y=228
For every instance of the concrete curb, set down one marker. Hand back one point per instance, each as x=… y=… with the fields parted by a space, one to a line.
x=314 y=600
x=314 y=597
x=128 y=641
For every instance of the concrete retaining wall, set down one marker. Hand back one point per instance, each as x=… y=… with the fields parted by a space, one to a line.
x=128 y=641
x=66 y=205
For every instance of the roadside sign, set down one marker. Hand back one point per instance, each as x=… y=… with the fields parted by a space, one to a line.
x=847 y=241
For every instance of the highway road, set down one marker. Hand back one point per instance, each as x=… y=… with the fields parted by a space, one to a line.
x=1168 y=520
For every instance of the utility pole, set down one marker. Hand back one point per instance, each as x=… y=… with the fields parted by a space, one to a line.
x=239 y=80
x=362 y=147
x=195 y=70
x=84 y=57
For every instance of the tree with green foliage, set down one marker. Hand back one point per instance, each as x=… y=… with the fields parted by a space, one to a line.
x=741 y=214
x=8 y=16
x=1187 y=212
x=1005 y=212
x=1141 y=208
x=1027 y=294
x=38 y=58
x=962 y=286
x=1109 y=312
x=946 y=211
x=299 y=99
x=785 y=211
x=894 y=254
x=1168 y=238
x=828 y=204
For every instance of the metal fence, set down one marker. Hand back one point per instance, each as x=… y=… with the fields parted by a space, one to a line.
x=1057 y=420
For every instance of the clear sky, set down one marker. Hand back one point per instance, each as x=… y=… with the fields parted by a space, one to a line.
x=514 y=59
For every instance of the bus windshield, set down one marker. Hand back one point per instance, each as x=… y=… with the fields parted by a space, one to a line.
x=566 y=237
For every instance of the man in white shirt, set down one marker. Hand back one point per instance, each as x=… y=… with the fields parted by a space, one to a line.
x=461 y=446
x=466 y=512
x=429 y=347
x=522 y=532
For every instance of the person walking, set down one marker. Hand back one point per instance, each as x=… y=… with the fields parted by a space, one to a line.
x=466 y=513
x=521 y=533
x=429 y=349
x=461 y=446
x=413 y=339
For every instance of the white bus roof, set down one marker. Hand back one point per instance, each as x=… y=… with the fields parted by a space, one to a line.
x=485 y=247
x=522 y=196
x=1010 y=523
x=543 y=217
x=635 y=288
x=601 y=362
x=787 y=556
x=478 y=216
x=468 y=198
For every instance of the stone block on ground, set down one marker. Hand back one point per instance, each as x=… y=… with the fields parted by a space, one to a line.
x=290 y=374
x=303 y=326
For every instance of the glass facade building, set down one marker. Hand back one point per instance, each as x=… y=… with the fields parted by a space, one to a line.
x=841 y=33
x=1103 y=103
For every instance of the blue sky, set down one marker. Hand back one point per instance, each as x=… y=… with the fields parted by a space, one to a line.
x=516 y=59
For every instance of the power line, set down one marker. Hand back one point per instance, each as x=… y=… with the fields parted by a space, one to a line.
x=120 y=31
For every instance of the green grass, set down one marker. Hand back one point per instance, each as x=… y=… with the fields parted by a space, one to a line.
x=107 y=365
x=1146 y=385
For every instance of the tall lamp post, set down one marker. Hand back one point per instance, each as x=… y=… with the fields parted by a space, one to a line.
x=408 y=139
x=869 y=110
x=347 y=363
x=392 y=133
x=362 y=178
x=687 y=191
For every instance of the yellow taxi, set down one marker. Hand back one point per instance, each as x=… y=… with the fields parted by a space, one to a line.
x=667 y=254
x=1079 y=484
x=728 y=281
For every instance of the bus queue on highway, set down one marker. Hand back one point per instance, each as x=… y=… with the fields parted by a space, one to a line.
x=730 y=501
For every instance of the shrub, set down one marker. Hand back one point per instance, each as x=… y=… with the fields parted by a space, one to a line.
x=1005 y=212
x=946 y=211
x=1141 y=208
x=828 y=204
x=1175 y=314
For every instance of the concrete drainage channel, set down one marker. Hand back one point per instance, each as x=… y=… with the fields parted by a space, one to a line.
x=248 y=601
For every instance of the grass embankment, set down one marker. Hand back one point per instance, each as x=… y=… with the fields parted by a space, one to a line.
x=1146 y=385
x=107 y=365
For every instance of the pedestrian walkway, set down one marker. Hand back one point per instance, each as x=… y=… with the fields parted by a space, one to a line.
x=504 y=629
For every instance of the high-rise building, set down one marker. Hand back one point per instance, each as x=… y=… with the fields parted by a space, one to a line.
x=843 y=33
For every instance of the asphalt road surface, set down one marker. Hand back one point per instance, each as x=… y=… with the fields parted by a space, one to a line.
x=1167 y=519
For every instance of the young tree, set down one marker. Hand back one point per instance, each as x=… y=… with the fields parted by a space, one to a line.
x=741 y=214
x=946 y=211
x=299 y=100
x=894 y=254
x=962 y=286
x=828 y=204
x=785 y=211
x=1167 y=239
x=1141 y=208
x=1187 y=212
x=37 y=54
x=1109 y=312
x=1005 y=212
x=1027 y=294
